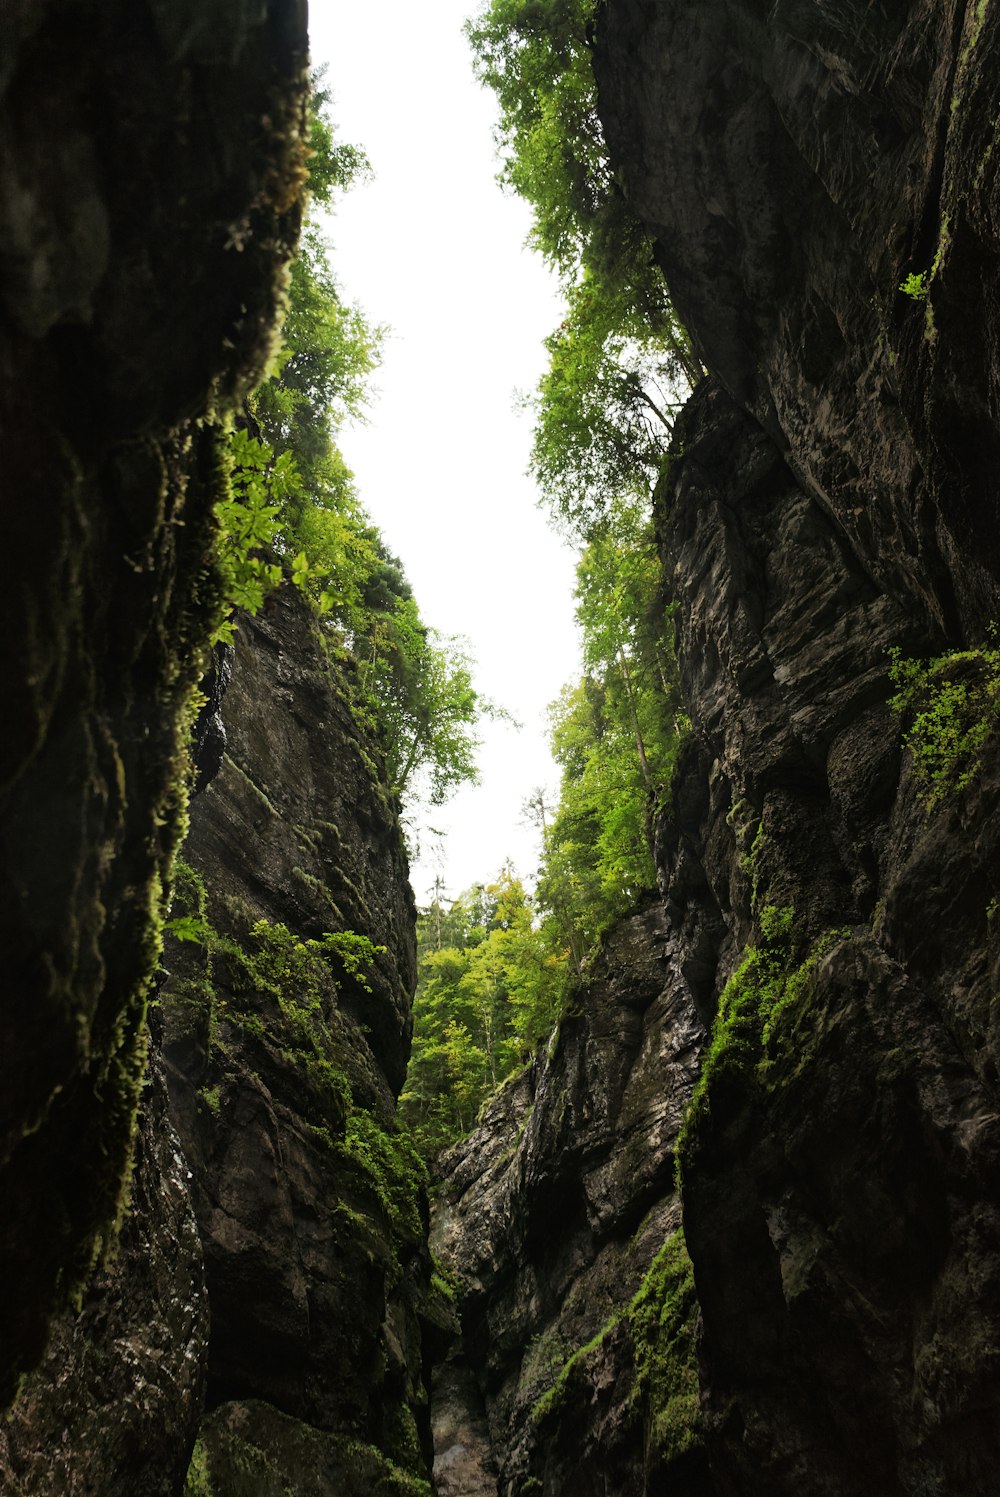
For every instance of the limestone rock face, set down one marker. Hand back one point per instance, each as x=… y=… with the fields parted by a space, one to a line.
x=552 y=1211
x=840 y=1201
x=795 y=164
x=150 y=170
x=271 y=1310
x=832 y=495
x=283 y=1067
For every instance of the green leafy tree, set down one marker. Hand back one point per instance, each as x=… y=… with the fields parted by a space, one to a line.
x=293 y=510
x=615 y=734
x=604 y=407
x=481 y=1007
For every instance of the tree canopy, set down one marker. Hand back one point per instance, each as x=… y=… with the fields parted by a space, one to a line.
x=490 y=986
x=294 y=509
x=604 y=408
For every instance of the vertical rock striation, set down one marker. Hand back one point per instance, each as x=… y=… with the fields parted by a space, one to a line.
x=835 y=498
x=283 y=1066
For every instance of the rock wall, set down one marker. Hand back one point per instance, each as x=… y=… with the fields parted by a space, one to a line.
x=114 y=1407
x=283 y=1067
x=152 y=159
x=551 y=1215
x=269 y=1322
x=832 y=495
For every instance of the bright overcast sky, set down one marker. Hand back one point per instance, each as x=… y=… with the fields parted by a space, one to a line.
x=434 y=248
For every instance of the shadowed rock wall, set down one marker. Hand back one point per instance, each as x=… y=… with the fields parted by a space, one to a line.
x=271 y=1309
x=283 y=1067
x=832 y=495
x=152 y=159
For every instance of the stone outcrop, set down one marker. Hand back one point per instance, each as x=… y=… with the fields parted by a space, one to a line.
x=283 y=1060
x=832 y=496
x=151 y=160
x=270 y=1316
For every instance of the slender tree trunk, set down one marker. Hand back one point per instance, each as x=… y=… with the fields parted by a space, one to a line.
x=639 y=744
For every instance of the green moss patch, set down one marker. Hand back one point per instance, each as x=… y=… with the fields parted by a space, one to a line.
x=747 y=1048
x=952 y=709
x=252 y=1450
x=663 y=1320
x=660 y=1323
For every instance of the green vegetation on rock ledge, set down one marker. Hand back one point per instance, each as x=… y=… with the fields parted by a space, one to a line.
x=952 y=709
x=746 y=1049
x=660 y=1323
x=234 y=982
x=250 y=1449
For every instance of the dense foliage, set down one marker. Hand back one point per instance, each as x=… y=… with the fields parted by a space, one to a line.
x=490 y=987
x=294 y=510
x=604 y=408
x=496 y=968
x=951 y=707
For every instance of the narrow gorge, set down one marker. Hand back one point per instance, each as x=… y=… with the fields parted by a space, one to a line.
x=733 y=1227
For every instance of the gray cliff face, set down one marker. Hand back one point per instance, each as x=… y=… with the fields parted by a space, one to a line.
x=794 y=164
x=832 y=495
x=271 y=1306
x=552 y=1211
x=313 y=1230
x=840 y=1200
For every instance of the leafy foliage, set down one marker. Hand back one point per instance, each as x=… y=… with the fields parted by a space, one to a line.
x=615 y=735
x=489 y=987
x=952 y=705
x=495 y=968
x=915 y=285
x=293 y=511
x=603 y=407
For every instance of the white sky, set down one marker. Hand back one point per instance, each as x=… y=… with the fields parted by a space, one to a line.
x=434 y=248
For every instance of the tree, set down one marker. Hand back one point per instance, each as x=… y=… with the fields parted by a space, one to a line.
x=481 y=1006
x=605 y=406
x=294 y=509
